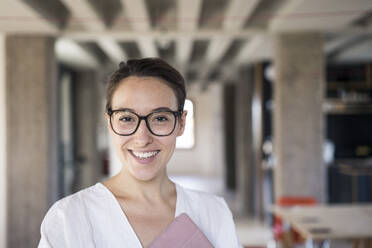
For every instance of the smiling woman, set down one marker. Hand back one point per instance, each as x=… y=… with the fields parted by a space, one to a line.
x=145 y=114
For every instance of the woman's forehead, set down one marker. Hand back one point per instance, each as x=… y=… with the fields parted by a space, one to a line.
x=143 y=93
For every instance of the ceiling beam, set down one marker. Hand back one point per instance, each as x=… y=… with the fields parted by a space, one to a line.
x=156 y=34
x=188 y=19
x=217 y=48
x=188 y=14
x=238 y=11
x=138 y=16
x=71 y=53
x=107 y=10
x=147 y=47
x=356 y=51
x=112 y=50
x=257 y=48
x=338 y=43
x=183 y=50
x=236 y=14
x=342 y=43
x=18 y=17
x=52 y=10
x=93 y=21
x=84 y=15
x=319 y=15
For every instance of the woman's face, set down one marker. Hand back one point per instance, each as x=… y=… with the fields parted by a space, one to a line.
x=143 y=154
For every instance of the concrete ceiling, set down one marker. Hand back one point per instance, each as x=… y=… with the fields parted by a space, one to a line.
x=200 y=37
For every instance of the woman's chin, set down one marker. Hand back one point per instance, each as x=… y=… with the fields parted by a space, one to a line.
x=145 y=174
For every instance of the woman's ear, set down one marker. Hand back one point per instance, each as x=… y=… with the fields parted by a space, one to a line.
x=182 y=123
x=108 y=121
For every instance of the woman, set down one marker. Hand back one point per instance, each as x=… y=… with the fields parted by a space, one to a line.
x=144 y=111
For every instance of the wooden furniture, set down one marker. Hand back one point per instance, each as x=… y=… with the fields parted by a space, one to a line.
x=279 y=231
x=321 y=223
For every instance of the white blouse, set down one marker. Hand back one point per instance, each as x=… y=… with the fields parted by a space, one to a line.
x=93 y=218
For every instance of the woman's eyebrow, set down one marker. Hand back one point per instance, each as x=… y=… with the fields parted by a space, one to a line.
x=161 y=109
x=125 y=109
x=153 y=110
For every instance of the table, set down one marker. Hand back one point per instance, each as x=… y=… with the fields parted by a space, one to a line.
x=321 y=223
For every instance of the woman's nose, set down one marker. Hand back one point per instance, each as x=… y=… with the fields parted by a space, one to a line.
x=143 y=135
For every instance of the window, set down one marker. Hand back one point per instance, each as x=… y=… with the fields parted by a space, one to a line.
x=187 y=140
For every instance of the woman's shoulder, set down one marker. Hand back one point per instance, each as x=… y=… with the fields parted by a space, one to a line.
x=69 y=218
x=76 y=198
x=75 y=204
x=198 y=194
x=205 y=201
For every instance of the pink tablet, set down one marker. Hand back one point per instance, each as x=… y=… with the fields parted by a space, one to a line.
x=181 y=233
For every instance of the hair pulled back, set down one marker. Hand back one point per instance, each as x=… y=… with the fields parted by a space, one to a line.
x=147 y=67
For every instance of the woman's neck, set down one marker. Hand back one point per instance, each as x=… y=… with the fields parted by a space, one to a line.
x=159 y=189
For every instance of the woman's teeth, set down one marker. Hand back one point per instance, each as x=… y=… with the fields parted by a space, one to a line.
x=144 y=155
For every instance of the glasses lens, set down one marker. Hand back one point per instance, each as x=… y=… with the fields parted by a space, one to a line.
x=124 y=122
x=161 y=123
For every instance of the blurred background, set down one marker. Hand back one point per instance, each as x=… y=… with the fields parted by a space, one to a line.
x=279 y=96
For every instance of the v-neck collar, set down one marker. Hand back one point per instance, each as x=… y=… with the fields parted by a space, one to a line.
x=120 y=212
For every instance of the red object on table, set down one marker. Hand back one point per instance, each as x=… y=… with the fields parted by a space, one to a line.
x=290 y=201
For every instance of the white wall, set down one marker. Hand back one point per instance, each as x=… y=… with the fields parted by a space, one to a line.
x=2 y=145
x=206 y=158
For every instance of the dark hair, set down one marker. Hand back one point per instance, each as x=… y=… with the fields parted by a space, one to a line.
x=148 y=67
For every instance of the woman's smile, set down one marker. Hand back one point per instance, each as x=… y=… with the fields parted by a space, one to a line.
x=144 y=157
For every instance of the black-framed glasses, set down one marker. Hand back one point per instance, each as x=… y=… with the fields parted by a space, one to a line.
x=125 y=122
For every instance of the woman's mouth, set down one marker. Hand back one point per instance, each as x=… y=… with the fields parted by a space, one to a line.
x=144 y=157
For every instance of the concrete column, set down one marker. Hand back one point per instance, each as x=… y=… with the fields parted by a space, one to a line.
x=2 y=145
x=298 y=117
x=29 y=84
x=87 y=105
x=244 y=144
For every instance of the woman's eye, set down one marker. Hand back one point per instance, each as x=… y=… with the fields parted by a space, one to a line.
x=161 y=118
x=126 y=119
